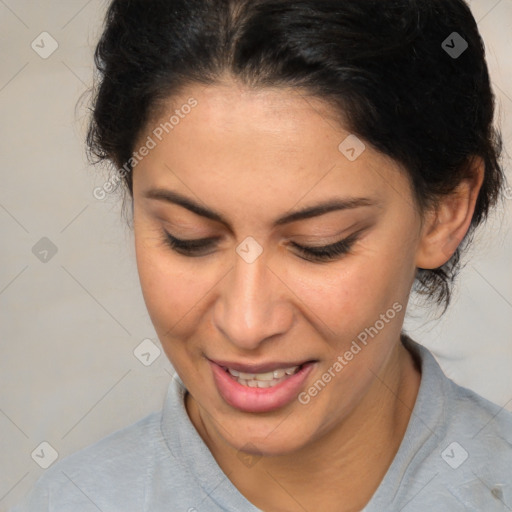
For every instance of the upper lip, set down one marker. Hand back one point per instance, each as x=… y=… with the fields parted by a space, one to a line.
x=260 y=367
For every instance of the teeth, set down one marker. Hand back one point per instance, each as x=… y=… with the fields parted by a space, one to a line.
x=268 y=376
x=263 y=380
x=276 y=374
x=265 y=384
x=246 y=376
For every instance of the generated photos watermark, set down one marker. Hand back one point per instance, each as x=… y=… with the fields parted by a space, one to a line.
x=343 y=359
x=151 y=143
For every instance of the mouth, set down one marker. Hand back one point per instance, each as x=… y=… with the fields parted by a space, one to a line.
x=267 y=379
x=260 y=388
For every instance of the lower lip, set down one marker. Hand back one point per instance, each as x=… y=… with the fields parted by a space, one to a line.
x=249 y=399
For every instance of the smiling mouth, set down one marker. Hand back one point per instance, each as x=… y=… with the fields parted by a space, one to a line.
x=262 y=380
x=260 y=387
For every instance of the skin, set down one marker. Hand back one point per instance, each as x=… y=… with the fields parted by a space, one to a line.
x=254 y=156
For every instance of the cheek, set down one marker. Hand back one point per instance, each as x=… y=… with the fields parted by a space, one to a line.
x=347 y=297
x=332 y=298
x=357 y=307
x=172 y=294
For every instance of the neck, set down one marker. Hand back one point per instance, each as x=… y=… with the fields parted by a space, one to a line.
x=339 y=471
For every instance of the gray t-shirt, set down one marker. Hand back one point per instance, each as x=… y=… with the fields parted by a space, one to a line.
x=456 y=455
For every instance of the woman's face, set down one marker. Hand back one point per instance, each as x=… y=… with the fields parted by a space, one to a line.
x=249 y=299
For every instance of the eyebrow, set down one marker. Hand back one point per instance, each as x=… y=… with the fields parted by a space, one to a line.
x=334 y=204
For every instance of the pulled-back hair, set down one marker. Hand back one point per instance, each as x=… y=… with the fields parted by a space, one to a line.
x=382 y=65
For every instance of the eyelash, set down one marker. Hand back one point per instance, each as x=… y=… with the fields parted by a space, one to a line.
x=191 y=248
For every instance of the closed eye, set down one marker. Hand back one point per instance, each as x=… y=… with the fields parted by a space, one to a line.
x=197 y=247
x=327 y=252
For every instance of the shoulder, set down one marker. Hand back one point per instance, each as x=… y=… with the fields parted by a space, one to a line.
x=456 y=410
x=466 y=416
x=472 y=462
x=485 y=427
x=481 y=427
x=112 y=470
x=465 y=452
x=470 y=405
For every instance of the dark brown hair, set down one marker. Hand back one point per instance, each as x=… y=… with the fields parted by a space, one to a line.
x=385 y=66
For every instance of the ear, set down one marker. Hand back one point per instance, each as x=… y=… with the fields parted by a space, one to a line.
x=446 y=225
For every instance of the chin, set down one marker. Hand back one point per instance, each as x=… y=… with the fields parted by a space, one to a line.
x=268 y=438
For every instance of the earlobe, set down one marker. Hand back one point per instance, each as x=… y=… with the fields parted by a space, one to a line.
x=446 y=225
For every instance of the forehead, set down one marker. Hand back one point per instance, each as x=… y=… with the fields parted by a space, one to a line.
x=274 y=142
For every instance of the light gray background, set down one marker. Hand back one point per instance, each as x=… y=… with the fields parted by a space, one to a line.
x=68 y=374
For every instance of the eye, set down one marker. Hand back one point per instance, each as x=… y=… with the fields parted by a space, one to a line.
x=327 y=252
x=197 y=248
x=191 y=248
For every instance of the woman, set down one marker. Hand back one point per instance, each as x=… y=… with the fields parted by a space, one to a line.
x=295 y=169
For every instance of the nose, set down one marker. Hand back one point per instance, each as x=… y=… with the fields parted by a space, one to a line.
x=252 y=304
